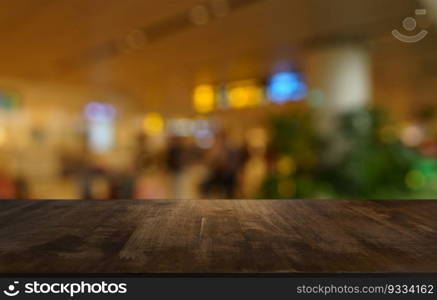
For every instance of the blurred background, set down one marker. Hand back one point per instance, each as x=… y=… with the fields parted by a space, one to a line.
x=109 y=99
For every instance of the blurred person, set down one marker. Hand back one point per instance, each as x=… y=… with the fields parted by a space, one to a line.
x=253 y=174
x=257 y=158
x=426 y=118
x=141 y=156
x=223 y=162
x=94 y=181
x=21 y=187
x=85 y=175
x=194 y=171
x=7 y=187
x=121 y=184
x=151 y=183
x=69 y=163
x=100 y=188
x=176 y=156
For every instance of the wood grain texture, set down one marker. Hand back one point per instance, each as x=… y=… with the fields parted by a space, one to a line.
x=218 y=236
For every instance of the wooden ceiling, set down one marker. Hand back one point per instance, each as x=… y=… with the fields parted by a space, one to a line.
x=64 y=41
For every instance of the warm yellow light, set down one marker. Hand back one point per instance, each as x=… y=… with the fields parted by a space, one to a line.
x=244 y=94
x=415 y=180
x=204 y=99
x=257 y=138
x=2 y=136
x=286 y=166
x=153 y=124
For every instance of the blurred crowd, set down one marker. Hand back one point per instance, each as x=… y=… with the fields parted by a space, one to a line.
x=288 y=158
x=180 y=169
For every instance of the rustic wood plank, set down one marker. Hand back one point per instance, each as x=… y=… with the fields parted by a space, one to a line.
x=218 y=236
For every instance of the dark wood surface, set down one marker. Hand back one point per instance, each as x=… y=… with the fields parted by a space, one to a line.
x=218 y=236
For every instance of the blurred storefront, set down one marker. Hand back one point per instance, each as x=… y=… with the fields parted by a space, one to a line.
x=219 y=99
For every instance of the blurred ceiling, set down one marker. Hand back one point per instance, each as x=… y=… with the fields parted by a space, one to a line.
x=155 y=51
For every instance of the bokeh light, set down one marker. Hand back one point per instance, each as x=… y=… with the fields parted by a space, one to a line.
x=244 y=94
x=287 y=86
x=204 y=99
x=412 y=135
x=153 y=124
x=415 y=180
x=286 y=166
x=99 y=112
x=100 y=133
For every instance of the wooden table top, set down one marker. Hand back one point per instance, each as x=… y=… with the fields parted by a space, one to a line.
x=218 y=236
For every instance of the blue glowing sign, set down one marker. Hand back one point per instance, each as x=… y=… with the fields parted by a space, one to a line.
x=100 y=127
x=285 y=87
x=99 y=112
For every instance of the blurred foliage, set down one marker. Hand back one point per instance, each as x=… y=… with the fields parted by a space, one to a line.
x=373 y=163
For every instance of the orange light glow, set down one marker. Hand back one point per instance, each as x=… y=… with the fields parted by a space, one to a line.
x=244 y=94
x=204 y=99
